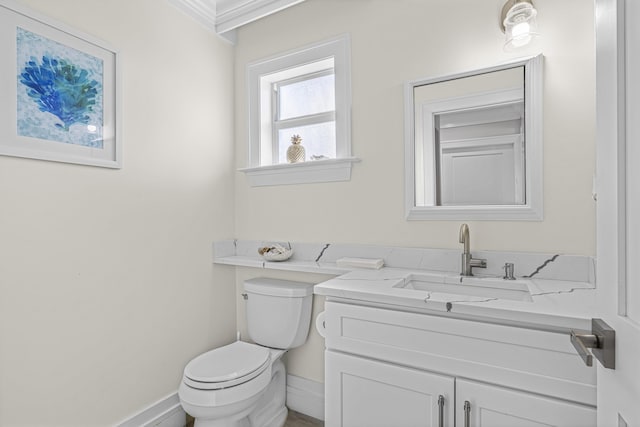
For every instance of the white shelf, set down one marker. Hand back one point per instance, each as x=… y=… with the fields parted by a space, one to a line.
x=300 y=266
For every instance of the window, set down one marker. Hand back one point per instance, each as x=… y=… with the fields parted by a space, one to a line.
x=306 y=106
x=305 y=93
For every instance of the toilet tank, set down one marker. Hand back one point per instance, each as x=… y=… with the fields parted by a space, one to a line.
x=278 y=311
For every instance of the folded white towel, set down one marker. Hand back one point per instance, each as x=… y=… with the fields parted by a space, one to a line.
x=373 y=263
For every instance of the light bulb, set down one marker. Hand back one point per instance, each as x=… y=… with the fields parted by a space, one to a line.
x=519 y=24
x=521 y=34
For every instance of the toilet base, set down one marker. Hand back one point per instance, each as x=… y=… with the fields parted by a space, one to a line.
x=279 y=419
x=233 y=418
x=222 y=423
x=270 y=411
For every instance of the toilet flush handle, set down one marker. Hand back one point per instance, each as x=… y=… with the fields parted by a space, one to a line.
x=245 y=296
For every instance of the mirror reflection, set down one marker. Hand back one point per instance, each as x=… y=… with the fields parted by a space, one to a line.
x=473 y=141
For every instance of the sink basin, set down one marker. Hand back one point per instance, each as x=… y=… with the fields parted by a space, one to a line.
x=483 y=287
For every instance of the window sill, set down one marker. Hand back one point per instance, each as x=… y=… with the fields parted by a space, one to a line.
x=314 y=171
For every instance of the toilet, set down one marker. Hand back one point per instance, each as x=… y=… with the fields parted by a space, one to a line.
x=244 y=384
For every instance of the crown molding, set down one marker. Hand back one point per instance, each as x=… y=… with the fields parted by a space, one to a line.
x=204 y=11
x=236 y=13
x=223 y=16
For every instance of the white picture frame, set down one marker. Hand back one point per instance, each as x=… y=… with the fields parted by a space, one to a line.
x=59 y=91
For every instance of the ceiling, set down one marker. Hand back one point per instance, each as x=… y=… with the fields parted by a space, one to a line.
x=224 y=16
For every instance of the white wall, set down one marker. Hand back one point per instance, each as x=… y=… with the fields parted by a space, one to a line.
x=106 y=284
x=401 y=40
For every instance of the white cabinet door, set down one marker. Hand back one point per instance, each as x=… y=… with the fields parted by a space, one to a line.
x=493 y=406
x=365 y=393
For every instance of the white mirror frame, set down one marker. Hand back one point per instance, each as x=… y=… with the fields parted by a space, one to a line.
x=533 y=209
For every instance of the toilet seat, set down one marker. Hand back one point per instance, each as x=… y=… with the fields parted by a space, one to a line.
x=227 y=366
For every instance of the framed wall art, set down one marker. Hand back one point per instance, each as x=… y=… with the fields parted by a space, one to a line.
x=59 y=92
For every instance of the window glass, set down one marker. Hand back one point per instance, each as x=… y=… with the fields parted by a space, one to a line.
x=308 y=96
x=317 y=140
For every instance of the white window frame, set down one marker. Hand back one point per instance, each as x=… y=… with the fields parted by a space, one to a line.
x=261 y=76
x=278 y=123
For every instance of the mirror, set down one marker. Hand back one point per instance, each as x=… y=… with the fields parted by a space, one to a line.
x=474 y=144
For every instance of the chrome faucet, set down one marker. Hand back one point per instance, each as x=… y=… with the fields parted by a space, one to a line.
x=468 y=262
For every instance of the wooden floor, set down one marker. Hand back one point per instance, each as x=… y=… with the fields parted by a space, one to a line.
x=296 y=419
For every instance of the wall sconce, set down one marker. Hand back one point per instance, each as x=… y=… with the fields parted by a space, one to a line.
x=518 y=22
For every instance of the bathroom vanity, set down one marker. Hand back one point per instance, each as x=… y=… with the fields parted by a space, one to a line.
x=416 y=344
x=424 y=370
x=419 y=357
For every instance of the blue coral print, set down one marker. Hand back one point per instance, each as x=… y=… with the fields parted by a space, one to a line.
x=59 y=92
x=61 y=89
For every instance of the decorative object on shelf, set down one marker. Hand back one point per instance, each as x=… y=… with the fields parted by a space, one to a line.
x=296 y=152
x=276 y=252
x=319 y=157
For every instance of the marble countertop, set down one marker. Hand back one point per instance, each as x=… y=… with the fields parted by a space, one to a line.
x=553 y=305
x=559 y=289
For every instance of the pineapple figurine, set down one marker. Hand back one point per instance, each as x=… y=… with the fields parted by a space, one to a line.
x=295 y=153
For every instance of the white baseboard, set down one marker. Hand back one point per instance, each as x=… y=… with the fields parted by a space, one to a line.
x=305 y=396
x=166 y=412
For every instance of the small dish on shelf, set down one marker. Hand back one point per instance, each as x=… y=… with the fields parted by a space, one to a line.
x=275 y=252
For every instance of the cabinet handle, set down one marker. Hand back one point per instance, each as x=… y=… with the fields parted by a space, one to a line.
x=467 y=413
x=441 y=411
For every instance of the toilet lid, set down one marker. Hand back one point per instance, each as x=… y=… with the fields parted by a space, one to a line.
x=229 y=363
